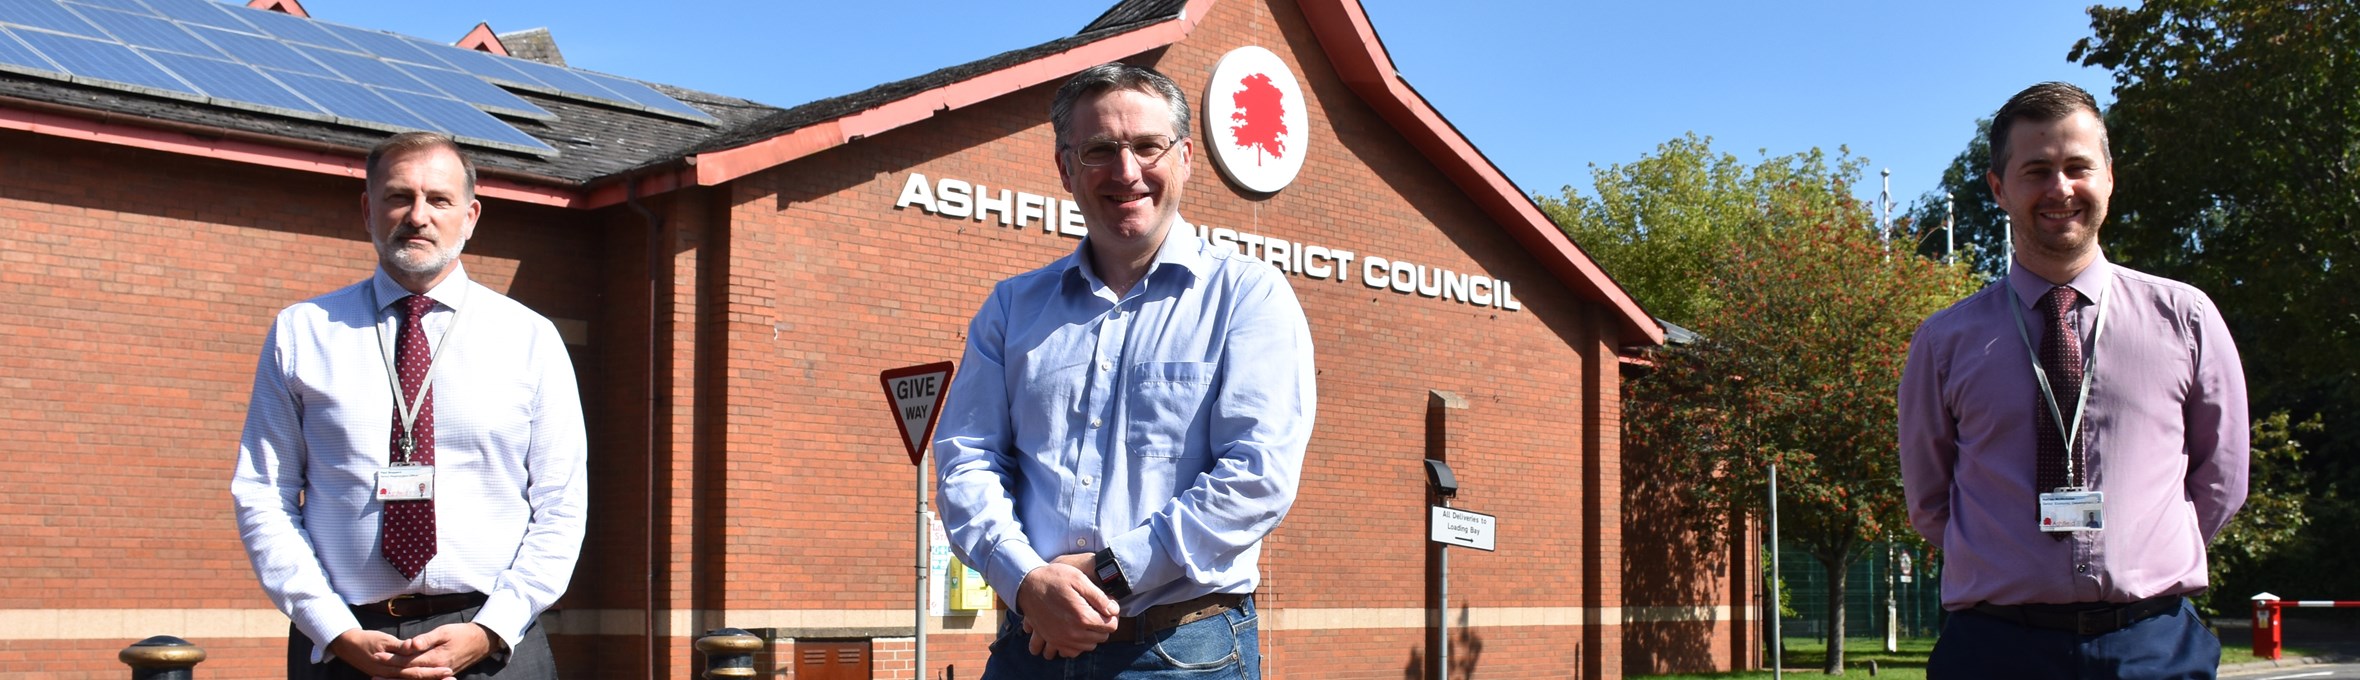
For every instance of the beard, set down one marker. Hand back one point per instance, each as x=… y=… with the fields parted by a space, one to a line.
x=412 y=261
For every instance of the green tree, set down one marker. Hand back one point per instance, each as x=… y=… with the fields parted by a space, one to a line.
x=1660 y=223
x=1805 y=316
x=2236 y=136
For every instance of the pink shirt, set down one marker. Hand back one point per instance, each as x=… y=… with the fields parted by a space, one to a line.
x=2166 y=428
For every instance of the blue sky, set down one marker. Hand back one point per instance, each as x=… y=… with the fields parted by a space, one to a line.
x=1544 y=88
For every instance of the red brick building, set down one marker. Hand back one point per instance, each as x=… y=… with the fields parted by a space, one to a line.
x=731 y=289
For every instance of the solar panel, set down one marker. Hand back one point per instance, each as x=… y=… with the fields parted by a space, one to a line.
x=261 y=51
x=648 y=96
x=290 y=27
x=46 y=14
x=353 y=104
x=200 y=12
x=468 y=88
x=236 y=84
x=149 y=32
x=488 y=66
x=366 y=70
x=15 y=56
x=564 y=79
x=466 y=123
x=132 y=6
x=105 y=61
x=383 y=45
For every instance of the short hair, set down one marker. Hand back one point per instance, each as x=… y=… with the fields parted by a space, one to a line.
x=1116 y=76
x=409 y=142
x=2044 y=103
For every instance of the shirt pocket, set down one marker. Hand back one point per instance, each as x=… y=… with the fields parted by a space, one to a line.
x=1168 y=407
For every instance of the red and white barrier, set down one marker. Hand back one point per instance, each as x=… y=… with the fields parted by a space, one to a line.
x=2266 y=624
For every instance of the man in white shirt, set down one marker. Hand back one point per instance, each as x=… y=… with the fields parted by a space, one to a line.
x=345 y=468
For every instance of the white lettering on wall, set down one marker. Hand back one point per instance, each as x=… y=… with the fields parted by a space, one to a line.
x=1016 y=209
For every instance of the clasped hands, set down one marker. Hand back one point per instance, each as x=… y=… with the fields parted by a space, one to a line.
x=439 y=653
x=1064 y=610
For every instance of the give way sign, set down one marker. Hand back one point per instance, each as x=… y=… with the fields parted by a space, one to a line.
x=915 y=395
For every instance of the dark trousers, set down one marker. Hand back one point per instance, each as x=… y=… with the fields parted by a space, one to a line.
x=2169 y=646
x=530 y=659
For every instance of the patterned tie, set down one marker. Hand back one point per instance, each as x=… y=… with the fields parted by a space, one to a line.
x=2060 y=357
x=408 y=537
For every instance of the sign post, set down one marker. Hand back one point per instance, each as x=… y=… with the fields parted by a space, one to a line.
x=915 y=394
x=1451 y=526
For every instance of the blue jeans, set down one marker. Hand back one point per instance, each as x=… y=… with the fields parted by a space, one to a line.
x=1225 y=647
x=2168 y=646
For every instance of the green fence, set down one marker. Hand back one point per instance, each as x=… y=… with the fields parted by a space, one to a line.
x=1913 y=581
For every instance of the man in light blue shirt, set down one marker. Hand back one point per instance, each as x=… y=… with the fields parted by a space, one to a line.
x=1130 y=420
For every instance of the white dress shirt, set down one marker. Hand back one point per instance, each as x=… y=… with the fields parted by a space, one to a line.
x=510 y=453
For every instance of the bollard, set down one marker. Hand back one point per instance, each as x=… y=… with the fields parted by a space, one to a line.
x=162 y=657
x=729 y=653
x=2266 y=637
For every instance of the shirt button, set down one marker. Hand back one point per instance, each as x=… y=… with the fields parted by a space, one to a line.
x=1078 y=543
x=1085 y=482
x=1106 y=365
x=2081 y=568
x=1094 y=422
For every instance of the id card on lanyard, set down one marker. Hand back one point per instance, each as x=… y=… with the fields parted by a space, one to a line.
x=2073 y=507
x=406 y=479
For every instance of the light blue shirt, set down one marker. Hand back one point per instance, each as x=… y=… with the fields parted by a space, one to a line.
x=1167 y=424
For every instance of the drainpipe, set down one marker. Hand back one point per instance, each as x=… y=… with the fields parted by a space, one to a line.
x=655 y=229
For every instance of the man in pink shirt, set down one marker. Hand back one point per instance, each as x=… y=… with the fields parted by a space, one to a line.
x=2073 y=435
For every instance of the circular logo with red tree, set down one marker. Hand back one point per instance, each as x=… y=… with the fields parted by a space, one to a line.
x=1255 y=120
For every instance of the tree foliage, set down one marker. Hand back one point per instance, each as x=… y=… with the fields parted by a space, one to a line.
x=1805 y=315
x=1977 y=219
x=1661 y=223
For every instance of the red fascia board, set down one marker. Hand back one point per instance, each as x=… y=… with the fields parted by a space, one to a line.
x=1352 y=46
x=323 y=159
x=716 y=167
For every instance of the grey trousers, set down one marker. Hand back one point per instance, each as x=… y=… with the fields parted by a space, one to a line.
x=530 y=660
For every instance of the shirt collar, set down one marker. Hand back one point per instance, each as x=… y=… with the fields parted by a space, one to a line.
x=1181 y=248
x=450 y=293
x=2030 y=287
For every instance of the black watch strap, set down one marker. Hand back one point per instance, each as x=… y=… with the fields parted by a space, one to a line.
x=1109 y=575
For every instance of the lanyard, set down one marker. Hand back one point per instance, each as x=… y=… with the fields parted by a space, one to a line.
x=402 y=404
x=2088 y=360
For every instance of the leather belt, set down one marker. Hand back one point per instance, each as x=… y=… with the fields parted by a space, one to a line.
x=420 y=606
x=1165 y=617
x=2085 y=618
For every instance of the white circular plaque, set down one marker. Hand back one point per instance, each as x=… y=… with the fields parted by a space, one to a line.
x=1255 y=120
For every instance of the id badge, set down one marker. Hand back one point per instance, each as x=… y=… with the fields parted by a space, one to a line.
x=2072 y=511
x=404 y=482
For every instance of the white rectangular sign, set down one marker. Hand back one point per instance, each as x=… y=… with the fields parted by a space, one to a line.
x=1464 y=529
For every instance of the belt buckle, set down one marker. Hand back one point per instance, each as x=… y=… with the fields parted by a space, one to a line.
x=2093 y=621
x=391 y=602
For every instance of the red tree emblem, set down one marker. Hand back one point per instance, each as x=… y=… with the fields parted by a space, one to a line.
x=1260 y=116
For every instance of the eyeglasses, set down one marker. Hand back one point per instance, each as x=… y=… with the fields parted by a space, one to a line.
x=1148 y=150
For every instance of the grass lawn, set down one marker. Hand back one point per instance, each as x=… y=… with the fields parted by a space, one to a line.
x=1806 y=656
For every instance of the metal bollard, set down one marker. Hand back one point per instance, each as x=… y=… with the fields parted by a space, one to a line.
x=162 y=657
x=729 y=652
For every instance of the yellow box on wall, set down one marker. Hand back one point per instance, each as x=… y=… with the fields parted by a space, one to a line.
x=968 y=590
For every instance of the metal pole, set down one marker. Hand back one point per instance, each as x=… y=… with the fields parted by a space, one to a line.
x=1949 y=231
x=1442 y=645
x=925 y=557
x=1777 y=636
x=1885 y=208
x=1892 y=606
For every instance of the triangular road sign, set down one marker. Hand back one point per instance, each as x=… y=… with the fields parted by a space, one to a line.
x=915 y=394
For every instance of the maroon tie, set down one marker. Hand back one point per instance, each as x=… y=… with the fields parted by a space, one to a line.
x=408 y=536
x=2060 y=357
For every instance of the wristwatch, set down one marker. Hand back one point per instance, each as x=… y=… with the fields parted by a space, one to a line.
x=1109 y=575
